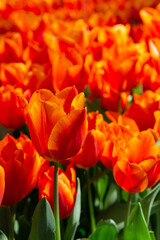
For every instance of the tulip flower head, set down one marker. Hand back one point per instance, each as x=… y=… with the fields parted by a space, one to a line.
x=137 y=166
x=21 y=164
x=57 y=123
x=10 y=113
x=66 y=188
x=93 y=145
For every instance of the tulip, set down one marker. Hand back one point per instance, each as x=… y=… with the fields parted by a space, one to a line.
x=137 y=165
x=21 y=164
x=57 y=124
x=10 y=114
x=66 y=188
x=117 y=133
x=93 y=145
x=26 y=75
x=11 y=47
x=143 y=108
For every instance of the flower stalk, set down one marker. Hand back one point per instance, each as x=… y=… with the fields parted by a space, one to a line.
x=128 y=208
x=56 y=203
x=90 y=203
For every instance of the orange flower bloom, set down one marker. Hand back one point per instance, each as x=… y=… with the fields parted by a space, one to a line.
x=11 y=47
x=93 y=145
x=137 y=166
x=151 y=20
x=21 y=164
x=143 y=108
x=119 y=132
x=151 y=72
x=122 y=60
x=26 y=76
x=57 y=124
x=66 y=55
x=10 y=114
x=66 y=188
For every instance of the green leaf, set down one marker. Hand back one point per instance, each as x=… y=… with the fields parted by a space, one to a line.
x=3 y=236
x=24 y=228
x=155 y=207
x=124 y=195
x=111 y=196
x=152 y=235
x=137 y=228
x=6 y=221
x=43 y=223
x=138 y=89
x=105 y=230
x=74 y=219
x=148 y=200
x=102 y=184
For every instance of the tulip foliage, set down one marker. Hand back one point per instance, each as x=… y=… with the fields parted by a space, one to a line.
x=79 y=120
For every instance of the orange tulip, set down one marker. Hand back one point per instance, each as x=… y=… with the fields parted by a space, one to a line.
x=117 y=135
x=66 y=188
x=21 y=164
x=122 y=60
x=57 y=124
x=137 y=166
x=151 y=19
x=11 y=47
x=143 y=108
x=93 y=145
x=10 y=114
x=26 y=76
x=66 y=55
x=151 y=72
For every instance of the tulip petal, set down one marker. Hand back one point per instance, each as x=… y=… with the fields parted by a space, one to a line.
x=78 y=101
x=68 y=134
x=130 y=177
x=2 y=182
x=16 y=174
x=91 y=150
x=144 y=145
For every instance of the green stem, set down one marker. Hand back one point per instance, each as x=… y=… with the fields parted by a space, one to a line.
x=56 y=203
x=128 y=208
x=91 y=211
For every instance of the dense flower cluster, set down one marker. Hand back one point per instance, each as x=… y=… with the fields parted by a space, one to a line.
x=50 y=53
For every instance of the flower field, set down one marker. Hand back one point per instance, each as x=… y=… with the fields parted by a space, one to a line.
x=79 y=120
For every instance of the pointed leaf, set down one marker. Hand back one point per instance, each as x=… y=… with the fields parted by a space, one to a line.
x=111 y=196
x=152 y=236
x=148 y=200
x=3 y=236
x=105 y=230
x=6 y=221
x=137 y=228
x=43 y=223
x=155 y=207
x=74 y=219
x=24 y=228
x=102 y=184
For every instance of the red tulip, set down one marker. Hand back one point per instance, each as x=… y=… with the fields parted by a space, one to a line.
x=21 y=164
x=93 y=145
x=137 y=166
x=66 y=188
x=10 y=114
x=57 y=123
